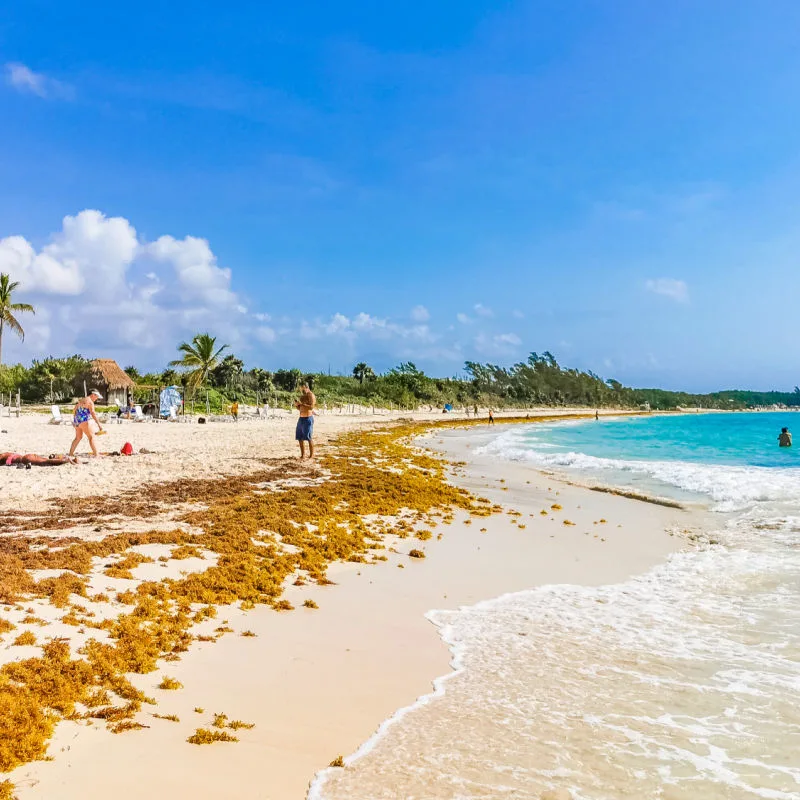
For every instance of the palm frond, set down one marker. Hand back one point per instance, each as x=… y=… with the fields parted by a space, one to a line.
x=13 y=324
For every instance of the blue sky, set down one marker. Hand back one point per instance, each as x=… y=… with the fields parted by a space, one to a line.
x=325 y=183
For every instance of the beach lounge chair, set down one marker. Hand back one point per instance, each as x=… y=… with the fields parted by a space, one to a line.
x=138 y=414
x=173 y=414
x=56 y=417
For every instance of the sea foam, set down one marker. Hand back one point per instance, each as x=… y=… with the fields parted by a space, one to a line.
x=679 y=684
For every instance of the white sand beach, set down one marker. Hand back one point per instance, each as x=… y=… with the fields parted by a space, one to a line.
x=316 y=683
x=178 y=450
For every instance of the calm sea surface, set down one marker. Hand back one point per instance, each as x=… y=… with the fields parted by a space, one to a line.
x=681 y=684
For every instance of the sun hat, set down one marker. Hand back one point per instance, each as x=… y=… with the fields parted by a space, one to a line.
x=99 y=396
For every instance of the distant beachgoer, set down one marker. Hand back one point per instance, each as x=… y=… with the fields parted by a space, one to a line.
x=475 y=410
x=491 y=417
x=597 y=415
x=235 y=410
x=305 y=425
x=32 y=460
x=784 y=438
x=83 y=413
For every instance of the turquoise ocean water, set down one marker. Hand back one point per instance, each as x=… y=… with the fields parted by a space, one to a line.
x=680 y=684
x=732 y=439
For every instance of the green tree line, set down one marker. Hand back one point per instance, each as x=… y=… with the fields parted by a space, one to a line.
x=206 y=369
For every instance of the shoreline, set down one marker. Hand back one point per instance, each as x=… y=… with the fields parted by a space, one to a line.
x=317 y=683
x=630 y=507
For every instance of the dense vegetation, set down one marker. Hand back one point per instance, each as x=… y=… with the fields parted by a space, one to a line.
x=539 y=381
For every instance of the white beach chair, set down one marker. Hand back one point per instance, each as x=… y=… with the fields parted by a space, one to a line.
x=56 y=418
x=173 y=414
x=138 y=414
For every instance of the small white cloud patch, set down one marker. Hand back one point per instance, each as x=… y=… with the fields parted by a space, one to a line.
x=500 y=344
x=420 y=314
x=669 y=287
x=507 y=338
x=25 y=80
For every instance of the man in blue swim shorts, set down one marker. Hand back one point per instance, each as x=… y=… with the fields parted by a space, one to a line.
x=305 y=425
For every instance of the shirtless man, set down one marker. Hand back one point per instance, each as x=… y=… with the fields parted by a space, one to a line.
x=305 y=425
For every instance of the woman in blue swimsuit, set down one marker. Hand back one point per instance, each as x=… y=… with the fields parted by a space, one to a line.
x=81 y=420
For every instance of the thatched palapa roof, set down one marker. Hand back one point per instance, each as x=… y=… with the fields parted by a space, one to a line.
x=110 y=374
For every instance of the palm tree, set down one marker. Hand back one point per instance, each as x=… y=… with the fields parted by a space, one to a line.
x=228 y=372
x=7 y=309
x=362 y=372
x=199 y=358
x=262 y=378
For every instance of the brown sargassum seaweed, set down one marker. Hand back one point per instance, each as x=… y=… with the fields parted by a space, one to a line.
x=369 y=484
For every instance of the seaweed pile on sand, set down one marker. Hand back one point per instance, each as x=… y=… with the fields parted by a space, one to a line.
x=255 y=532
x=260 y=530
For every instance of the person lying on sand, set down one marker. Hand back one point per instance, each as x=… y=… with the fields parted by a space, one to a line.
x=32 y=460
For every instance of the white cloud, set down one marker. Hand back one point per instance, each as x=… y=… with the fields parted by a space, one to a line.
x=97 y=288
x=339 y=323
x=463 y=319
x=195 y=265
x=90 y=254
x=420 y=314
x=367 y=327
x=500 y=344
x=101 y=290
x=669 y=287
x=508 y=338
x=25 y=80
x=517 y=314
x=482 y=311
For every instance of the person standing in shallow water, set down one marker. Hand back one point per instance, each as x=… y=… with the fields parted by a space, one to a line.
x=305 y=425
x=784 y=438
x=491 y=417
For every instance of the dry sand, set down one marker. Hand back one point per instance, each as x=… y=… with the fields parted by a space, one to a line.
x=317 y=683
x=180 y=450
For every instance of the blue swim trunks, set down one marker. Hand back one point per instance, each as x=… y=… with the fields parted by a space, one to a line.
x=305 y=429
